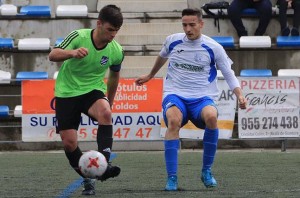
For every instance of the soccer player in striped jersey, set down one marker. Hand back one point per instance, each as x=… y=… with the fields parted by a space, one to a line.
x=190 y=91
x=87 y=54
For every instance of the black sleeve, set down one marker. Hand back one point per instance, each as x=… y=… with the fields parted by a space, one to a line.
x=115 y=68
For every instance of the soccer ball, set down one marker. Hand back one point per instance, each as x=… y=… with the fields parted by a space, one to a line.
x=92 y=164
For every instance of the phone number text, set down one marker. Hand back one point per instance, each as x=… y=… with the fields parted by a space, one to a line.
x=284 y=122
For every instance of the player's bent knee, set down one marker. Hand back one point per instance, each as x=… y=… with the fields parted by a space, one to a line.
x=211 y=122
x=69 y=145
x=104 y=117
x=174 y=122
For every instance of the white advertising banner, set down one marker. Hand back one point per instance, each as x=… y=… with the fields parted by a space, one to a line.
x=136 y=112
x=273 y=107
x=133 y=126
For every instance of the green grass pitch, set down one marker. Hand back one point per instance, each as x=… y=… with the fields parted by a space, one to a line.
x=240 y=173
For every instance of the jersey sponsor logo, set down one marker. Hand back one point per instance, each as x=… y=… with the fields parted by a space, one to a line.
x=179 y=51
x=188 y=67
x=103 y=60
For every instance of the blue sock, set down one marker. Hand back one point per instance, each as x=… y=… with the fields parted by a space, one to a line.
x=171 y=156
x=210 y=141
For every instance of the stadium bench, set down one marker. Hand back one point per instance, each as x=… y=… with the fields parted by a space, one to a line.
x=35 y=11
x=288 y=41
x=8 y=10
x=27 y=75
x=5 y=77
x=289 y=72
x=255 y=42
x=4 y=111
x=6 y=43
x=71 y=11
x=256 y=73
x=225 y=41
x=34 y=44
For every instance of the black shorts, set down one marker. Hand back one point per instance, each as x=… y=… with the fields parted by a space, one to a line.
x=68 y=110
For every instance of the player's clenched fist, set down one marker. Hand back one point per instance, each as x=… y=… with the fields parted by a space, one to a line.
x=80 y=52
x=143 y=79
x=242 y=102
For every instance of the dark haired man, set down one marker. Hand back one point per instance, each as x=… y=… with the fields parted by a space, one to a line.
x=87 y=54
x=190 y=90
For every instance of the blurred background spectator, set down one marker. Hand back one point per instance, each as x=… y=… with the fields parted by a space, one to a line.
x=263 y=7
x=284 y=5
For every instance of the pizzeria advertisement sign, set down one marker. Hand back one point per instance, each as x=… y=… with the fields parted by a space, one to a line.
x=273 y=107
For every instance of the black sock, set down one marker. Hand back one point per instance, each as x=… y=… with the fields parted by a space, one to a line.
x=73 y=158
x=105 y=140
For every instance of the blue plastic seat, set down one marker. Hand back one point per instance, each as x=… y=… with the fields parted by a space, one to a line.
x=25 y=75
x=31 y=10
x=250 y=11
x=58 y=41
x=256 y=73
x=4 y=111
x=225 y=41
x=7 y=43
x=288 y=41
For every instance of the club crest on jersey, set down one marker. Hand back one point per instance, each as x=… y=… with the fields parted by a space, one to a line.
x=197 y=58
x=103 y=60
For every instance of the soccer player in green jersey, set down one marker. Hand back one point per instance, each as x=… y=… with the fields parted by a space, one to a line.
x=80 y=88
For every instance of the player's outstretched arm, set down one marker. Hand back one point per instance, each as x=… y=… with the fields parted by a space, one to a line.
x=159 y=62
x=59 y=55
x=242 y=101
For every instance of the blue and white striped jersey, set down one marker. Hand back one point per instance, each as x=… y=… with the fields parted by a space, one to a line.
x=192 y=69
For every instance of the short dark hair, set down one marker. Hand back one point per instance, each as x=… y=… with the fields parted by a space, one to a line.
x=111 y=14
x=192 y=11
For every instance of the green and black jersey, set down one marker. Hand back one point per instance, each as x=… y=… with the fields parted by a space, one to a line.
x=80 y=76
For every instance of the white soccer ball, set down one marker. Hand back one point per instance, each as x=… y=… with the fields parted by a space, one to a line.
x=92 y=164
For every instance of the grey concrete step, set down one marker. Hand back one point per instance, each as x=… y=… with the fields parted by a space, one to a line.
x=129 y=39
x=135 y=66
x=155 y=32
x=139 y=61
x=138 y=71
x=146 y=17
x=146 y=5
x=274 y=58
x=150 y=28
